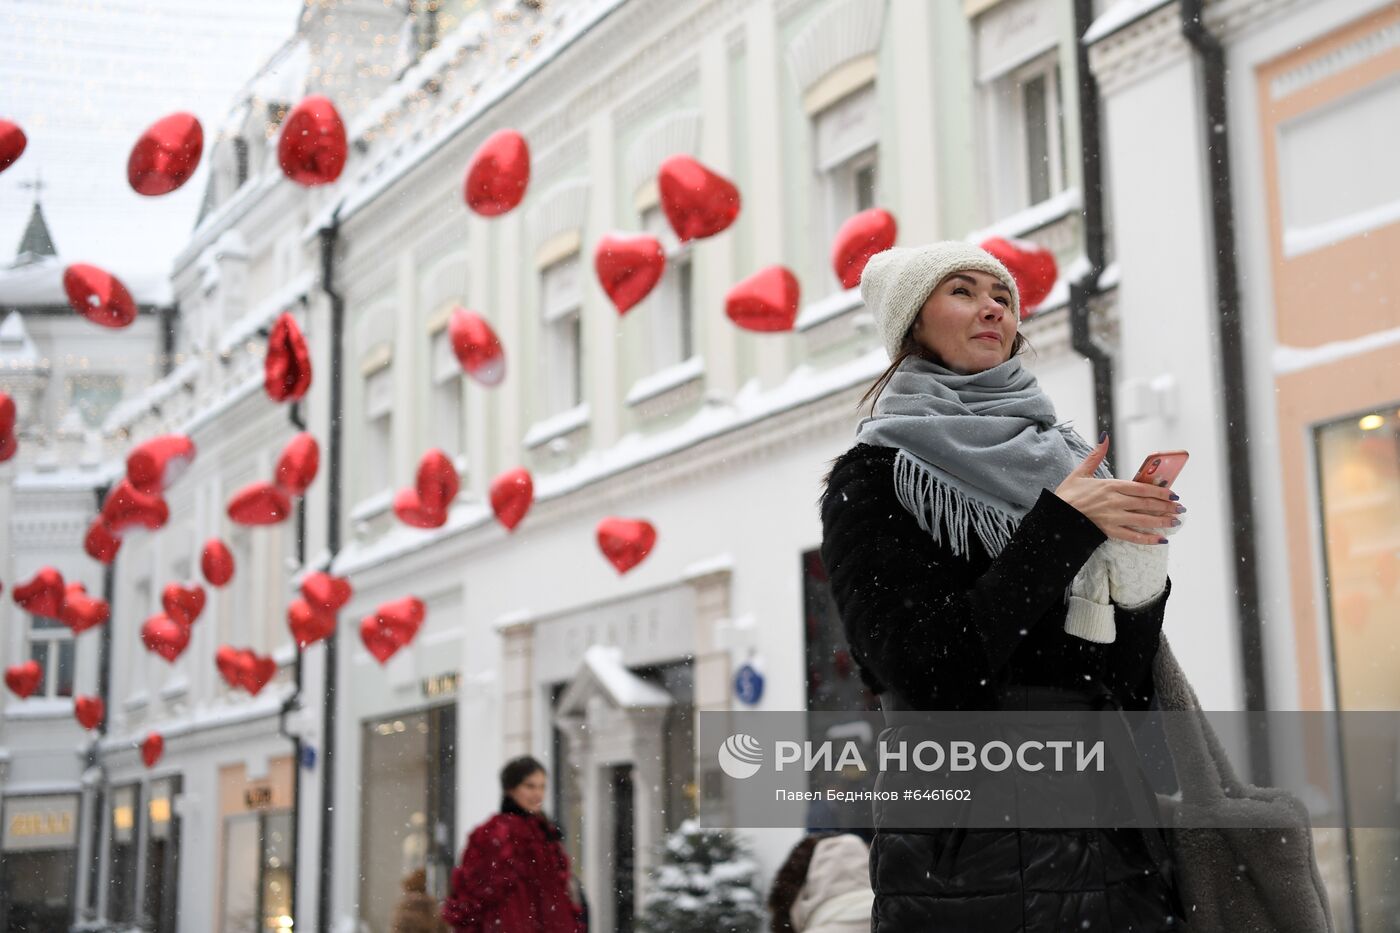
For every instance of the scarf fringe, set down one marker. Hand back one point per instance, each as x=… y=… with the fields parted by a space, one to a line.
x=938 y=505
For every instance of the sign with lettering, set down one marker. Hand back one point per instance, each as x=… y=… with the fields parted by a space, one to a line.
x=441 y=685
x=258 y=797
x=41 y=823
x=650 y=629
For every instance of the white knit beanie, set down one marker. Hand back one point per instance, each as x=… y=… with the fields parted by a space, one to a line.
x=897 y=282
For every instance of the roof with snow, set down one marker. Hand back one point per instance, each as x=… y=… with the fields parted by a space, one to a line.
x=602 y=671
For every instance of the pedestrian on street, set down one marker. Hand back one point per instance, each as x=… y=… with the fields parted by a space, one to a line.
x=417 y=910
x=983 y=557
x=514 y=876
x=823 y=886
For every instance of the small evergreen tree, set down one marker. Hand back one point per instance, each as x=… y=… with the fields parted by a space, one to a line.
x=704 y=883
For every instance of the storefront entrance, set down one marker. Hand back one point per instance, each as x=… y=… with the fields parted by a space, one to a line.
x=38 y=864
x=407 y=821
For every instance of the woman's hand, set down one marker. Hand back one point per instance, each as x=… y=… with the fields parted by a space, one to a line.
x=1119 y=506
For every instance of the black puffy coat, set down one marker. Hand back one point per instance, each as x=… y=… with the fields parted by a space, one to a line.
x=933 y=631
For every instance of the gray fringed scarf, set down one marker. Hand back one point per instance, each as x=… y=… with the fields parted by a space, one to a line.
x=975 y=450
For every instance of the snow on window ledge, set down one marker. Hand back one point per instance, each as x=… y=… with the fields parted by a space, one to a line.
x=175 y=689
x=566 y=422
x=665 y=380
x=825 y=309
x=373 y=506
x=137 y=701
x=1032 y=218
x=40 y=708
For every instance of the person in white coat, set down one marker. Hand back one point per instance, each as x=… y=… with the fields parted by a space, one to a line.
x=823 y=887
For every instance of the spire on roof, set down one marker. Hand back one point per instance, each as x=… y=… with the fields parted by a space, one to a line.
x=37 y=241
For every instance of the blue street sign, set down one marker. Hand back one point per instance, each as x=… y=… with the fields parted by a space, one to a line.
x=748 y=684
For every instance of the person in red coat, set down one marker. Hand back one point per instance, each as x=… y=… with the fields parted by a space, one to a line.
x=514 y=876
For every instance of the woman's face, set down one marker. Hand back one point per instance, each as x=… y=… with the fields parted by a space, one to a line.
x=529 y=793
x=963 y=306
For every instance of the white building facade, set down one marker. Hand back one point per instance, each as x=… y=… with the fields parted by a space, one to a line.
x=964 y=121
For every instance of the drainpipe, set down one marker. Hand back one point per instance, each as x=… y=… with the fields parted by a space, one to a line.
x=104 y=690
x=1086 y=287
x=1232 y=368
x=329 y=236
x=293 y=700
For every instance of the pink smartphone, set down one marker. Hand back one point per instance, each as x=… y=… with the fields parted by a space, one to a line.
x=1161 y=468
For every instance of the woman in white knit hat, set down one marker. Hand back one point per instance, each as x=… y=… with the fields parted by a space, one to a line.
x=983 y=557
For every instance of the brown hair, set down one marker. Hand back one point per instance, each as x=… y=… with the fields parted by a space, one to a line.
x=517 y=770
x=788 y=881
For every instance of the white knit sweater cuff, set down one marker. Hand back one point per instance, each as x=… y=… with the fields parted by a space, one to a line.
x=1090 y=621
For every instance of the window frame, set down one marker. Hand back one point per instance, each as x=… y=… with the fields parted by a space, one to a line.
x=561 y=338
x=837 y=197
x=1007 y=135
x=57 y=639
x=671 y=305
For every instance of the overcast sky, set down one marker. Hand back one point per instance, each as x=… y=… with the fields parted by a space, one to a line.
x=84 y=78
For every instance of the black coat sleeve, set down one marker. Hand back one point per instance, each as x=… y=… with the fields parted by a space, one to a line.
x=913 y=613
x=1128 y=667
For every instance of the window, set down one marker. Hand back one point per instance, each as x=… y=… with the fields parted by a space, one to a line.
x=378 y=451
x=258 y=871
x=1025 y=137
x=409 y=802
x=38 y=862
x=51 y=645
x=446 y=429
x=124 y=810
x=560 y=302
x=162 y=856
x=847 y=152
x=671 y=306
x=92 y=396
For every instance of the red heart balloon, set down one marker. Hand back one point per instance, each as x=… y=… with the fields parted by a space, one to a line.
x=625 y=542
x=426 y=505
x=42 y=595
x=297 y=466
x=628 y=267
x=127 y=507
x=697 y=201
x=98 y=295
x=1031 y=265
x=312 y=148
x=259 y=504
x=409 y=507
x=89 y=710
x=378 y=640
x=12 y=143
x=216 y=562
x=229 y=660
x=152 y=747
x=153 y=465
x=860 y=237
x=9 y=444
x=512 y=493
x=498 y=173
x=100 y=544
x=257 y=671
x=183 y=603
x=765 y=301
x=476 y=346
x=287 y=366
x=7 y=413
x=402 y=617
x=307 y=623
x=24 y=678
x=437 y=480
x=80 y=611
x=166 y=155
x=165 y=636
x=325 y=591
